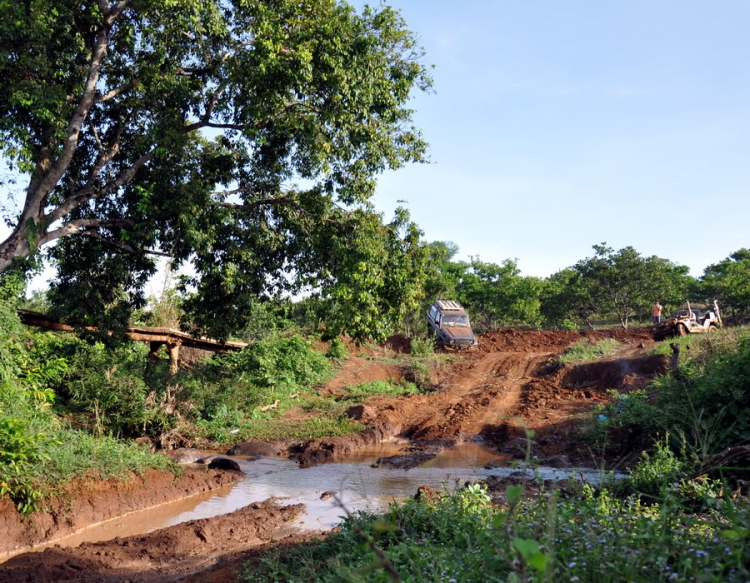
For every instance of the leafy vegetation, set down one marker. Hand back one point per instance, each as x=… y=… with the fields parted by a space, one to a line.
x=729 y=282
x=702 y=407
x=591 y=536
x=38 y=452
x=136 y=162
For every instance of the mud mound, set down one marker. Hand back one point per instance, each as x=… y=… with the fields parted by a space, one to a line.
x=399 y=343
x=553 y=340
x=319 y=451
x=99 y=501
x=158 y=556
x=527 y=341
x=612 y=373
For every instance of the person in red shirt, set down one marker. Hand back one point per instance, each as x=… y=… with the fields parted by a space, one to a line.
x=656 y=312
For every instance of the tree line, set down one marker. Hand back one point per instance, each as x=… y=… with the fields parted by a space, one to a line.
x=611 y=285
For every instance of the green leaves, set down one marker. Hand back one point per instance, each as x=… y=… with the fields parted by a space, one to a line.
x=194 y=143
x=531 y=553
x=513 y=494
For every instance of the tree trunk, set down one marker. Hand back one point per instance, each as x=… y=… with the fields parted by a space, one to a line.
x=15 y=246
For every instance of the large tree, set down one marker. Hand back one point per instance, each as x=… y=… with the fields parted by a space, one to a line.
x=498 y=295
x=241 y=136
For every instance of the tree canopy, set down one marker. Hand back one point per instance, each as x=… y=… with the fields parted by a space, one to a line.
x=626 y=283
x=729 y=282
x=241 y=137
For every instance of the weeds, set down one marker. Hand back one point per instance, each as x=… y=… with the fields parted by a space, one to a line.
x=583 y=350
x=463 y=537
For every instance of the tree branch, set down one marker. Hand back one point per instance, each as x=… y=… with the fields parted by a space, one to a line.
x=255 y=204
x=76 y=228
x=35 y=200
x=223 y=193
x=123 y=246
x=113 y=93
x=87 y=192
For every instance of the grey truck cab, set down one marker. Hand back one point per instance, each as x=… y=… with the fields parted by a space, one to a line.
x=449 y=322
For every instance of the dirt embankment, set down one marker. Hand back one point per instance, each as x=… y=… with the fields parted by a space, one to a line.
x=169 y=554
x=511 y=384
x=94 y=502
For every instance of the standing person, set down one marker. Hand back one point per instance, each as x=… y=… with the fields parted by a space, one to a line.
x=656 y=312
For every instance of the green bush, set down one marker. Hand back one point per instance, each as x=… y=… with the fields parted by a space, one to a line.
x=289 y=362
x=704 y=407
x=422 y=347
x=337 y=350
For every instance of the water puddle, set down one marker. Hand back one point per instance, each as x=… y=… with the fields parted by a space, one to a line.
x=355 y=482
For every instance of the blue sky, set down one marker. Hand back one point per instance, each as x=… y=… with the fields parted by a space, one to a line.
x=558 y=125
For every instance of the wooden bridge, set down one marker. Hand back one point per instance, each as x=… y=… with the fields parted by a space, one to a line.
x=154 y=337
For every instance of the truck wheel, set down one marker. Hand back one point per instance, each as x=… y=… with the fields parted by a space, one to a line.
x=682 y=330
x=712 y=328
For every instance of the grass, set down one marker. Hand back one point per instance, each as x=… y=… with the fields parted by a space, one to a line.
x=584 y=351
x=694 y=344
x=82 y=455
x=579 y=536
x=364 y=390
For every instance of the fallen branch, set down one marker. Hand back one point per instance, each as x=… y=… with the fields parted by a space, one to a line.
x=272 y=406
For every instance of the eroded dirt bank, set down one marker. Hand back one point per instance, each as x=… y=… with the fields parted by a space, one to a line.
x=512 y=383
x=95 y=502
x=169 y=554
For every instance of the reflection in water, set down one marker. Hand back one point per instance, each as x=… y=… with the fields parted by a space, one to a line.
x=359 y=486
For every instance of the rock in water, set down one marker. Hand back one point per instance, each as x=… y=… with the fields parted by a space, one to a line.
x=224 y=463
x=558 y=461
x=185 y=455
x=255 y=447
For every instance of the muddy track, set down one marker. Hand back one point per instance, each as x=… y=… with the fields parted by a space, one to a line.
x=169 y=554
x=482 y=394
x=486 y=395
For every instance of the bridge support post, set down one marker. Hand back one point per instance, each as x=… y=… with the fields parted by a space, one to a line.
x=174 y=356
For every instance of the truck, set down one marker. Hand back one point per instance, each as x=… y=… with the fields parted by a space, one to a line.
x=689 y=321
x=449 y=323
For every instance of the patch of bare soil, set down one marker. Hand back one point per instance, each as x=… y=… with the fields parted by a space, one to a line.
x=169 y=554
x=358 y=370
x=93 y=502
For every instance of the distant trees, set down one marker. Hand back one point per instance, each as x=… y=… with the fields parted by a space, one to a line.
x=499 y=295
x=623 y=284
x=729 y=282
x=626 y=283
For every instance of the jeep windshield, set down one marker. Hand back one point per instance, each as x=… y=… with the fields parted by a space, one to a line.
x=454 y=320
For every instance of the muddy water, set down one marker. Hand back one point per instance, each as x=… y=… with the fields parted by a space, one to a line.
x=355 y=482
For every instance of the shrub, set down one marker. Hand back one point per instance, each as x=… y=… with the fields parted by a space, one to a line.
x=337 y=350
x=703 y=407
x=276 y=362
x=422 y=347
x=462 y=537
